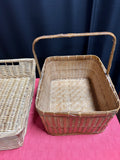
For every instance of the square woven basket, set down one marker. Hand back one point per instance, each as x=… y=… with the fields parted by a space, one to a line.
x=75 y=93
x=17 y=80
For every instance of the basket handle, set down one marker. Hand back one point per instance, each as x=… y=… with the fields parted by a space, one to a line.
x=69 y=35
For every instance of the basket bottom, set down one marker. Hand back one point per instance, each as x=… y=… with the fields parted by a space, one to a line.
x=72 y=95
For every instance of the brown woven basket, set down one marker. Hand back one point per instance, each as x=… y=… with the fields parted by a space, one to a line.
x=17 y=79
x=75 y=93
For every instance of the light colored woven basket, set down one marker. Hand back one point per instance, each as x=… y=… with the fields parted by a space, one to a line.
x=75 y=93
x=17 y=80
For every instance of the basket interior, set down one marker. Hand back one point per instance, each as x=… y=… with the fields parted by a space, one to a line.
x=75 y=85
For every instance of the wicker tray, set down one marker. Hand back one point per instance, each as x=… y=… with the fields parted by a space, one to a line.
x=75 y=93
x=17 y=78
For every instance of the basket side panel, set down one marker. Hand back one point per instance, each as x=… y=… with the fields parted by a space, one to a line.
x=60 y=125
x=16 y=68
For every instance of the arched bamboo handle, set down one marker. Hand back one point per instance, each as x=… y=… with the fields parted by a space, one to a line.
x=69 y=35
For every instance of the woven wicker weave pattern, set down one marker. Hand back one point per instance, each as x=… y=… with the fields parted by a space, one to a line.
x=15 y=68
x=17 y=78
x=74 y=125
x=68 y=95
x=12 y=102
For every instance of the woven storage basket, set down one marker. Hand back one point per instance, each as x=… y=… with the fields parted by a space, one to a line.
x=75 y=93
x=17 y=79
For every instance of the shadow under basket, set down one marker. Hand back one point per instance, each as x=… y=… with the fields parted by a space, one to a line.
x=75 y=95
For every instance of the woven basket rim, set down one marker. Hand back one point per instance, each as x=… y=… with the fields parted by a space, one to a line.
x=76 y=57
x=18 y=59
x=73 y=57
x=79 y=114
